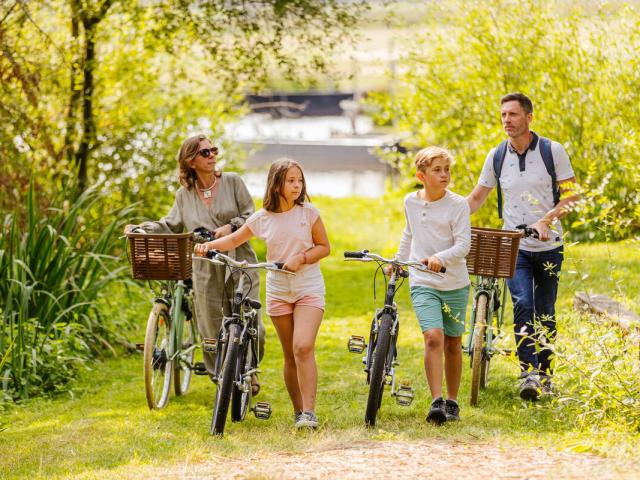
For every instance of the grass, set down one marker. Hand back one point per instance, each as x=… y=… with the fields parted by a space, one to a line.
x=105 y=427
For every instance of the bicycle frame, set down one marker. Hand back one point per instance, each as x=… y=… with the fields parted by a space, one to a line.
x=384 y=328
x=239 y=317
x=493 y=288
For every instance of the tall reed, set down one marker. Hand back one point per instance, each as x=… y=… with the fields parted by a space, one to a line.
x=54 y=264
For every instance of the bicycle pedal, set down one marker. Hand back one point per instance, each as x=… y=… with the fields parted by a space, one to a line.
x=262 y=410
x=404 y=395
x=199 y=368
x=140 y=347
x=356 y=344
x=210 y=345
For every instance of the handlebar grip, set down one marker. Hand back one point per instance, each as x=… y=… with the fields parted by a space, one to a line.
x=280 y=265
x=212 y=254
x=354 y=255
x=253 y=303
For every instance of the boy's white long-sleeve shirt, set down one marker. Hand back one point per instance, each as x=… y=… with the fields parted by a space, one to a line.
x=441 y=228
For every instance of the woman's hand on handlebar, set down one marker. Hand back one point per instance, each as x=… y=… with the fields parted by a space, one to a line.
x=201 y=248
x=222 y=231
x=433 y=263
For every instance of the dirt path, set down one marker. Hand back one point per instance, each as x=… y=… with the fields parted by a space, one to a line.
x=382 y=460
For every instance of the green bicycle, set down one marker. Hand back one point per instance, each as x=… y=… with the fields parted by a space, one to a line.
x=171 y=337
x=492 y=258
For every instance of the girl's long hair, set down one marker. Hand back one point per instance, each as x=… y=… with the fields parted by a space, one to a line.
x=275 y=182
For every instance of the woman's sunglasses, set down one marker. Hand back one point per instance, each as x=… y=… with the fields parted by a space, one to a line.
x=208 y=152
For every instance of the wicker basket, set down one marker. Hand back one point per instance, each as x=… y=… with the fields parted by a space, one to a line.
x=493 y=252
x=160 y=256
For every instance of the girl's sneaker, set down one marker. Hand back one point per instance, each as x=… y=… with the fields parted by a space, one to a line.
x=307 y=420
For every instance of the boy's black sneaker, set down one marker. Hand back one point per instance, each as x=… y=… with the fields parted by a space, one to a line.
x=437 y=413
x=530 y=387
x=452 y=410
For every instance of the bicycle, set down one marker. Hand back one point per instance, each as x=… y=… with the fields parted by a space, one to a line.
x=171 y=337
x=236 y=348
x=382 y=351
x=492 y=258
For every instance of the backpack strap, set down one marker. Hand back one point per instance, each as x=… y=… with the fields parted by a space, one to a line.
x=498 y=160
x=547 y=158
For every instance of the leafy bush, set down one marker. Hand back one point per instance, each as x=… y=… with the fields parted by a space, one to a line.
x=576 y=63
x=54 y=263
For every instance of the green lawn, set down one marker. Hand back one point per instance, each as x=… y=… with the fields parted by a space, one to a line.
x=105 y=425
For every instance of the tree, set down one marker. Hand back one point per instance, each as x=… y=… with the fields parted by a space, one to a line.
x=91 y=86
x=577 y=65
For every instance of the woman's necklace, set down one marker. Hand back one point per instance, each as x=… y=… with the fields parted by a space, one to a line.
x=207 y=191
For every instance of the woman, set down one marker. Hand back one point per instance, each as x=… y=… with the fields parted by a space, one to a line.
x=219 y=202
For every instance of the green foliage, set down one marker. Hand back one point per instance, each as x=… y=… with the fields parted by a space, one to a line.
x=54 y=265
x=577 y=64
x=106 y=90
x=56 y=438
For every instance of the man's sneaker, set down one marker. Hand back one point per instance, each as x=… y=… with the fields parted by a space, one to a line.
x=307 y=420
x=530 y=387
x=437 y=413
x=547 y=384
x=452 y=410
x=296 y=416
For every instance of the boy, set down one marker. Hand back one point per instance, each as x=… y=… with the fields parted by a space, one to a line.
x=437 y=234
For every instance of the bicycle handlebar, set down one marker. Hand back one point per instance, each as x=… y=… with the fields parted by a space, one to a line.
x=532 y=232
x=366 y=256
x=214 y=256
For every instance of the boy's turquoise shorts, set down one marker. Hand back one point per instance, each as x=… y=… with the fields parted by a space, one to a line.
x=441 y=309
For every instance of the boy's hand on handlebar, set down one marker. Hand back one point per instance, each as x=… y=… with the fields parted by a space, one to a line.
x=293 y=262
x=433 y=263
x=201 y=248
x=222 y=231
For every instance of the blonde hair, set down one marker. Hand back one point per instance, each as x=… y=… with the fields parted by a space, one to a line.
x=275 y=182
x=426 y=156
x=188 y=151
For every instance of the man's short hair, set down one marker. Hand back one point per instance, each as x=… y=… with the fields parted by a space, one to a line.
x=521 y=98
x=426 y=156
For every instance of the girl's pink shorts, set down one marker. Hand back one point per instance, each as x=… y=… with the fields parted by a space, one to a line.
x=277 y=307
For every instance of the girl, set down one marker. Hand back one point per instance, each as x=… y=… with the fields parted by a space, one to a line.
x=295 y=235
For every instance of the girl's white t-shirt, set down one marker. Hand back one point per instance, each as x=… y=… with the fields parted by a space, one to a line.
x=285 y=233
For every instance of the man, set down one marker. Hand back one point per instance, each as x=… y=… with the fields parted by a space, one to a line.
x=523 y=168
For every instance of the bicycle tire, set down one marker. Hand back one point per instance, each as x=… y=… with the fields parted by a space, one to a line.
x=478 y=340
x=241 y=400
x=225 y=385
x=377 y=376
x=157 y=365
x=182 y=368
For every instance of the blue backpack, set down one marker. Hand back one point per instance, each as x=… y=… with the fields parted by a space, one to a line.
x=547 y=158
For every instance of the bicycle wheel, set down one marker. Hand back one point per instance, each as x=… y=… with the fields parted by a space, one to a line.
x=157 y=355
x=182 y=368
x=241 y=398
x=225 y=383
x=377 y=376
x=479 y=329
